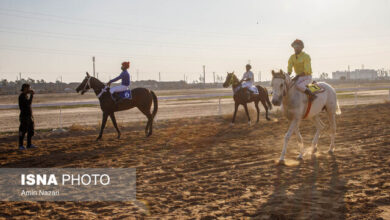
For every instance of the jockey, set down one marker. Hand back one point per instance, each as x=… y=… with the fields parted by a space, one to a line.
x=124 y=76
x=248 y=79
x=302 y=67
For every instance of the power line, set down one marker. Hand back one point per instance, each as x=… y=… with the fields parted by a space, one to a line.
x=12 y=30
x=88 y=53
x=102 y=24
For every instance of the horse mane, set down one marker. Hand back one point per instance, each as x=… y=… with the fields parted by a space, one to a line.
x=280 y=74
x=235 y=78
x=97 y=81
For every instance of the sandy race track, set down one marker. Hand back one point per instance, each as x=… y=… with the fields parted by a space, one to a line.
x=201 y=167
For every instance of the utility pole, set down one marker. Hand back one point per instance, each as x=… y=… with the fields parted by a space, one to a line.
x=259 y=76
x=204 y=74
x=214 y=77
x=137 y=74
x=159 y=76
x=20 y=76
x=93 y=61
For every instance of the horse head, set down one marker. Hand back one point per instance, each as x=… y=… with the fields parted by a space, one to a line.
x=280 y=82
x=85 y=85
x=230 y=78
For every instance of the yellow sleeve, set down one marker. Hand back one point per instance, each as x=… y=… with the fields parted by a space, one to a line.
x=290 y=65
x=307 y=65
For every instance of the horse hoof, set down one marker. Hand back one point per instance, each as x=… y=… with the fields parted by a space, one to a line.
x=300 y=157
x=268 y=119
x=314 y=150
x=330 y=151
x=98 y=139
x=249 y=123
x=231 y=124
x=281 y=163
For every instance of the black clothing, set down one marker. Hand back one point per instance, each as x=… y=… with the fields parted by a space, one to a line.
x=26 y=119
x=25 y=105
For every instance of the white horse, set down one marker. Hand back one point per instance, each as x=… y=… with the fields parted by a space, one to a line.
x=295 y=103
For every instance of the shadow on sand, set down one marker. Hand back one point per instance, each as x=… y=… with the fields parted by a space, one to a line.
x=311 y=190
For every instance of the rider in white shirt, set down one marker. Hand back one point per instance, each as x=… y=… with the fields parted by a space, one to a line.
x=248 y=80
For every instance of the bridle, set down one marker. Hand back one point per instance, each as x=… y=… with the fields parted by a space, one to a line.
x=285 y=83
x=232 y=77
x=88 y=83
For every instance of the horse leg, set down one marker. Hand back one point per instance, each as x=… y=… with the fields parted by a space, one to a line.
x=291 y=129
x=247 y=113
x=148 y=128
x=112 y=116
x=332 y=122
x=235 y=112
x=258 y=110
x=266 y=109
x=319 y=127
x=300 y=143
x=150 y=125
x=104 y=120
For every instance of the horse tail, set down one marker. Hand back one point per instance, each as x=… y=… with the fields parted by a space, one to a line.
x=155 y=104
x=338 y=111
x=267 y=98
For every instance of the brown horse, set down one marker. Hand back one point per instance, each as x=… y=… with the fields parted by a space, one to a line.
x=141 y=98
x=241 y=97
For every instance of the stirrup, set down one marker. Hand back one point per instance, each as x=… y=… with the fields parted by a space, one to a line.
x=310 y=95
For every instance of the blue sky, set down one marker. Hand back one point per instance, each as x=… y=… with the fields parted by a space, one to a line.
x=49 y=39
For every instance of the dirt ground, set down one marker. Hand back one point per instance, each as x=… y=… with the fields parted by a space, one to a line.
x=203 y=168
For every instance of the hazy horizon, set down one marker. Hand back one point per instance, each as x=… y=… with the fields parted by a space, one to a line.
x=49 y=39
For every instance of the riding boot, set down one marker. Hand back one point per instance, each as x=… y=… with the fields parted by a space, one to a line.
x=115 y=97
x=248 y=94
x=311 y=95
x=252 y=94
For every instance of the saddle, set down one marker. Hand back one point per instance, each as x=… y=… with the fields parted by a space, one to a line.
x=248 y=89
x=315 y=88
x=118 y=96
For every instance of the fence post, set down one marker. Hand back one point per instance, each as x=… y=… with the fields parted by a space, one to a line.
x=60 y=129
x=219 y=106
x=60 y=117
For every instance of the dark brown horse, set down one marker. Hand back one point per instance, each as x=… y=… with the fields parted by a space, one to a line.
x=141 y=98
x=241 y=97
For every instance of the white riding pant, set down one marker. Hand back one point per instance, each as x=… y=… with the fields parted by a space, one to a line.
x=250 y=86
x=303 y=81
x=119 y=88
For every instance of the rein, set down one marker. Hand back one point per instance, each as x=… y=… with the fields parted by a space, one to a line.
x=289 y=86
x=88 y=83
x=233 y=79
x=102 y=91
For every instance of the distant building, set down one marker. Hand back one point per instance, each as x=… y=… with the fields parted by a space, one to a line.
x=357 y=74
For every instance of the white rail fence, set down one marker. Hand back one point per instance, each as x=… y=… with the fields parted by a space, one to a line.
x=194 y=96
x=218 y=96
